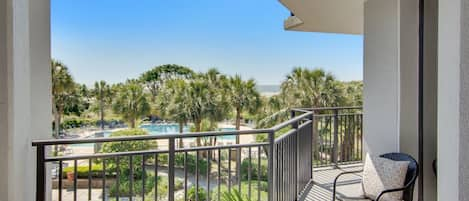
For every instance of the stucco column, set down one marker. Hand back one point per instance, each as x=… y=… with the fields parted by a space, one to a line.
x=381 y=76
x=25 y=107
x=453 y=100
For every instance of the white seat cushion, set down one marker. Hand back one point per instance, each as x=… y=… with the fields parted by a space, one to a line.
x=380 y=174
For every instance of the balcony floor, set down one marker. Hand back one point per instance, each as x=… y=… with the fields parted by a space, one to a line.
x=323 y=180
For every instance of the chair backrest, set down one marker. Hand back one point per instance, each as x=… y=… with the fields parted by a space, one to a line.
x=412 y=172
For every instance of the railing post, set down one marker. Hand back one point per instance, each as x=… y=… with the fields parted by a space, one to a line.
x=271 y=165
x=312 y=144
x=336 y=133
x=41 y=174
x=297 y=149
x=171 y=174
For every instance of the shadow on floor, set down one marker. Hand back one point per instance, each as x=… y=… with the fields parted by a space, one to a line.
x=323 y=179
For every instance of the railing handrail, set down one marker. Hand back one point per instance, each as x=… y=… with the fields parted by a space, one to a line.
x=327 y=108
x=153 y=151
x=291 y=121
x=169 y=136
x=148 y=137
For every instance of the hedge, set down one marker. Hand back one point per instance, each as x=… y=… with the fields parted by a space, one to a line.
x=83 y=171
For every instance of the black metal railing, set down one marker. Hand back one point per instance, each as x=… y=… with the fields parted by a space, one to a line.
x=337 y=135
x=275 y=169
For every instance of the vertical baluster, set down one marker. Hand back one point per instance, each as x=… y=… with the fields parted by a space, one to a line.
x=350 y=136
x=60 y=179
x=283 y=170
x=104 y=179
x=219 y=174
x=209 y=156
x=361 y=136
x=185 y=176
x=287 y=171
x=90 y=163
x=259 y=173
x=156 y=176
x=171 y=173
x=75 y=172
x=118 y=178
x=131 y=175
x=354 y=137
x=345 y=139
x=249 y=173
x=238 y=168
x=229 y=170
x=197 y=176
x=331 y=143
x=271 y=165
x=143 y=177
x=40 y=173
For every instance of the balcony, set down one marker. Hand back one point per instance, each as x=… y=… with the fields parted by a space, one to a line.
x=293 y=160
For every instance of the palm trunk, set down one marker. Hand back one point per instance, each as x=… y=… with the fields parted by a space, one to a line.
x=181 y=130
x=132 y=123
x=238 y=152
x=238 y=123
x=56 y=120
x=57 y=125
x=197 y=125
x=101 y=105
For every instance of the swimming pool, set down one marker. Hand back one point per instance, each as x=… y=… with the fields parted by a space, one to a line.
x=158 y=129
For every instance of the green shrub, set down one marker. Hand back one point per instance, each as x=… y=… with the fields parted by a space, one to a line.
x=201 y=192
x=234 y=196
x=202 y=163
x=124 y=186
x=125 y=146
x=76 y=122
x=83 y=171
x=179 y=162
x=244 y=190
x=254 y=169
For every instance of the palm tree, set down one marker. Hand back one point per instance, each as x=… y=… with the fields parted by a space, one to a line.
x=63 y=92
x=155 y=78
x=131 y=102
x=198 y=94
x=243 y=96
x=103 y=95
x=174 y=103
x=311 y=89
x=219 y=107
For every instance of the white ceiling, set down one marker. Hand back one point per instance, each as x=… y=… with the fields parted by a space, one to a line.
x=329 y=16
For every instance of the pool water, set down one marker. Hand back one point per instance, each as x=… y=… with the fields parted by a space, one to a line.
x=158 y=129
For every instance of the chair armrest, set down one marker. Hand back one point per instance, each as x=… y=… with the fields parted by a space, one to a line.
x=337 y=179
x=408 y=185
x=390 y=191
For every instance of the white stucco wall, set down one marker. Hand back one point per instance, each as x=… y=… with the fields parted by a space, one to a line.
x=449 y=63
x=408 y=77
x=27 y=93
x=464 y=106
x=391 y=82
x=3 y=97
x=381 y=76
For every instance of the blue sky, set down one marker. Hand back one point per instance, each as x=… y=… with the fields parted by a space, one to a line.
x=117 y=39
